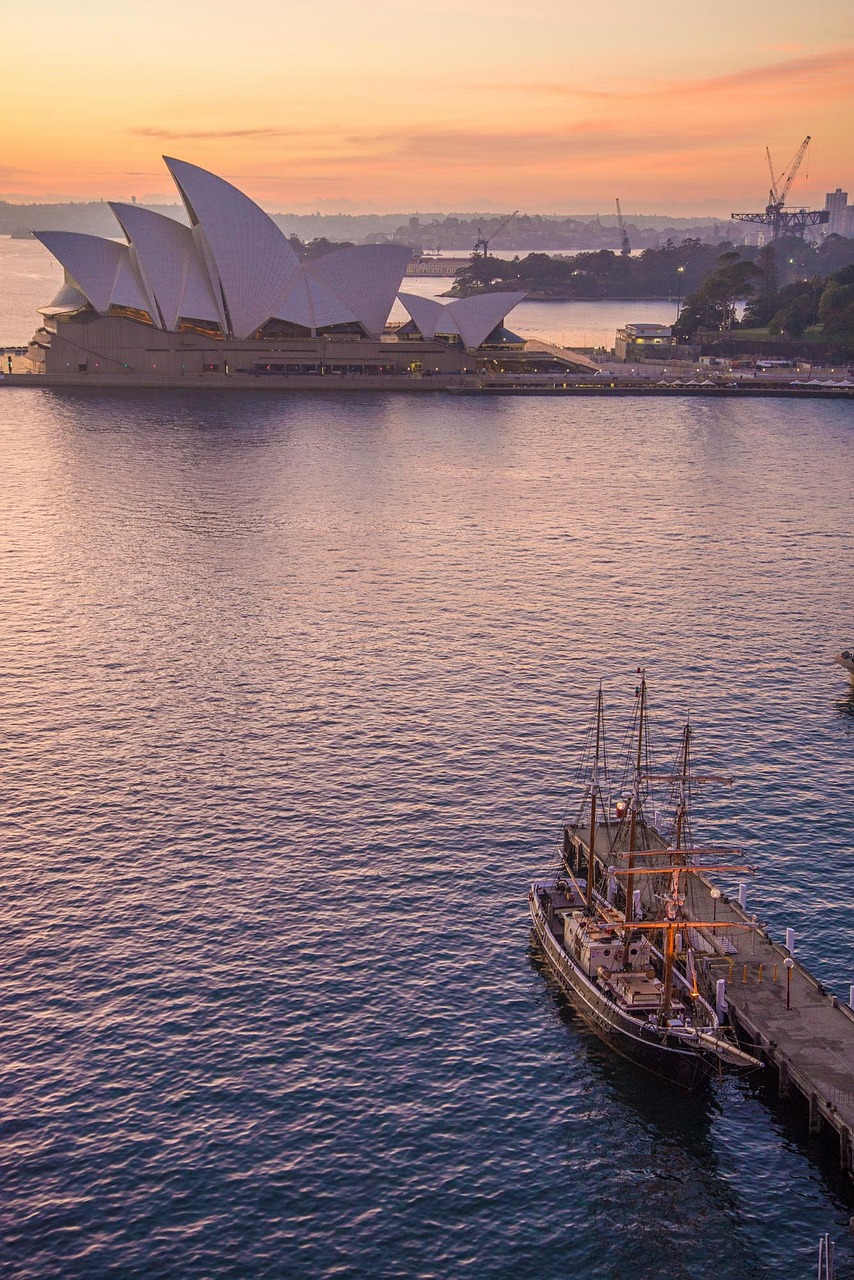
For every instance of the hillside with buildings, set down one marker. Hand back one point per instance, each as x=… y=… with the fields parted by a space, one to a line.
x=442 y=231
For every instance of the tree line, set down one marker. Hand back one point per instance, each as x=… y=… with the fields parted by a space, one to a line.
x=785 y=292
x=669 y=272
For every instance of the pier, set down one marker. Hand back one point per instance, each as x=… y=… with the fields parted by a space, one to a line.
x=802 y=1032
x=805 y=1034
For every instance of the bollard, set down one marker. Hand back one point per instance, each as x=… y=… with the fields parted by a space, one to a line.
x=742 y=895
x=720 y=998
x=759 y=975
x=774 y=974
x=744 y=976
x=790 y=941
x=731 y=970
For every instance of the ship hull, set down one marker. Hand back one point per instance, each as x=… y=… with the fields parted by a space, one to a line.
x=641 y=1044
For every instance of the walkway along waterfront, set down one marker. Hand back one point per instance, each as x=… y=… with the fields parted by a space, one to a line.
x=458 y=383
x=803 y=1033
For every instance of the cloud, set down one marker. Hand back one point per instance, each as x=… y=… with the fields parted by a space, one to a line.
x=530 y=148
x=783 y=75
x=178 y=135
x=779 y=73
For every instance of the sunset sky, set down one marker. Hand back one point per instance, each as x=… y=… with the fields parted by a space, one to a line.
x=477 y=104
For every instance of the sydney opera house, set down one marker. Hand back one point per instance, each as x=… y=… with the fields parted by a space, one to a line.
x=227 y=300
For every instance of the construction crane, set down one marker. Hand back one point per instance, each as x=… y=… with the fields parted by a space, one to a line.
x=481 y=244
x=625 y=247
x=776 y=216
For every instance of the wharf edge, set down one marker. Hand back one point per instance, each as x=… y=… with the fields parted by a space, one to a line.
x=453 y=384
x=809 y=1046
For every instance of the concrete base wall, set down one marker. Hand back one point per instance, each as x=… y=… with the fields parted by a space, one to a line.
x=117 y=347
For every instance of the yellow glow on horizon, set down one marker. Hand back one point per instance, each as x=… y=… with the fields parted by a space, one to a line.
x=481 y=105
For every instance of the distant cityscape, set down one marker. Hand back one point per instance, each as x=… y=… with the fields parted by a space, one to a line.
x=457 y=232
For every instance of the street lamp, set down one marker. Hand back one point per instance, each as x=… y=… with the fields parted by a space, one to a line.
x=714 y=894
x=790 y=964
x=680 y=271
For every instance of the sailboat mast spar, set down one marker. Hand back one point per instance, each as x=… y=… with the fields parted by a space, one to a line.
x=594 y=794
x=636 y=804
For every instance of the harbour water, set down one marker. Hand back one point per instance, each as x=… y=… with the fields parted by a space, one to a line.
x=292 y=688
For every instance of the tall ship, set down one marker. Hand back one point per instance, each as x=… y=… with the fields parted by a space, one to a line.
x=617 y=925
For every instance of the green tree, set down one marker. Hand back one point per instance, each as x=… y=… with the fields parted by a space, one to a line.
x=713 y=305
x=836 y=306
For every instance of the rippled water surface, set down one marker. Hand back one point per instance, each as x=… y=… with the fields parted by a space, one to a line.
x=292 y=689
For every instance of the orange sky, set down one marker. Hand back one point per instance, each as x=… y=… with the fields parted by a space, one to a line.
x=477 y=104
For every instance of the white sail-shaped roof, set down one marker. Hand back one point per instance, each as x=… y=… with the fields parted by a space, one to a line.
x=91 y=263
x=197 y=299
x=252 y=259
x=472 y=318
x=68 y=300
x=127 y=289
x=297 y=307
x=310 y=303
x=429 y=315
x=365 y=278
x=232 y=265
x=168 y=265
x=476 y=317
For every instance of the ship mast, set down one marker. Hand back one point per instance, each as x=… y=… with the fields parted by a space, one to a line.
x=682 y=803
x=594 y=794
x=671 y=911
x=633 y=817
x=674 y=902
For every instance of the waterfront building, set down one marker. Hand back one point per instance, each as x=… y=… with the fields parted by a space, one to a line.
x=227 y=297
x=437 y=267
x=637 y=341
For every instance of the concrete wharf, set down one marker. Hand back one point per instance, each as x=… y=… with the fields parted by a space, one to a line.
x=805 y=1034
x=458 y=384
x=802 y=1032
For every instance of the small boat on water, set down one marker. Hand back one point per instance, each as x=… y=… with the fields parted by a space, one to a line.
x=626 y=956
x=846 y=660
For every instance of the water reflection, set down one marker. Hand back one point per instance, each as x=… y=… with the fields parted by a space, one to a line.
x=845 y=706
x=280 y=674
